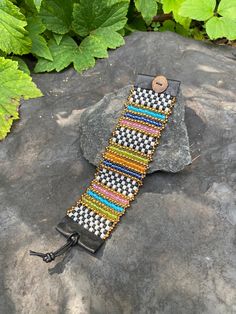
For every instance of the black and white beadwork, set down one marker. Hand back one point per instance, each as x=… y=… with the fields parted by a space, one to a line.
x=134 y=139
x=91 y=220
x=151 y=99
x=117 y=182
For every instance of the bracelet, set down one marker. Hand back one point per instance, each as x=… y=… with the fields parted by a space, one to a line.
x=123 y=166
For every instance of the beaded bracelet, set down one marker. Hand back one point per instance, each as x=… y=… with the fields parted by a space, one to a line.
x=123 y=166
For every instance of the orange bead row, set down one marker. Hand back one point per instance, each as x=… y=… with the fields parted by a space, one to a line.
x=125 y=162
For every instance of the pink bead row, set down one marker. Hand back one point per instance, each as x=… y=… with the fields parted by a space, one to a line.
x=110 y=194
x=140 y=126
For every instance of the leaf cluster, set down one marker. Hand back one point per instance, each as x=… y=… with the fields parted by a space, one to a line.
x=58 y=33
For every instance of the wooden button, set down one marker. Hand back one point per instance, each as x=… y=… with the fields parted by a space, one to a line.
x=159 y=84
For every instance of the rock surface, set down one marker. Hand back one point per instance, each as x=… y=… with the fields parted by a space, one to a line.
x=98 y=121
x=174 y=251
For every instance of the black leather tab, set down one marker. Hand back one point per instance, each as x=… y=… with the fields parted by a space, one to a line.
x=87 y=240
x=145 y=81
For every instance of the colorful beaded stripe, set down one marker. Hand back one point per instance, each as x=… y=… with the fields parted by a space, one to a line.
x=125 y=162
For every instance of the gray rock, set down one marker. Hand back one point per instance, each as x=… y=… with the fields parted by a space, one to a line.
x=174 y=250
x=98 y=121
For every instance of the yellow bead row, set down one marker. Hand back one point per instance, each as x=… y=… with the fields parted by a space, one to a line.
x=101 y=206
x=132 y=156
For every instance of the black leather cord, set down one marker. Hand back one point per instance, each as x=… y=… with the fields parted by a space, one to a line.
x=50 y=256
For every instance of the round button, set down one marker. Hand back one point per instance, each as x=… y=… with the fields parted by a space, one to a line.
x=159 y=84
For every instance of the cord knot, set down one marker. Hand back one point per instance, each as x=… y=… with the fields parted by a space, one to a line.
x=50 y=256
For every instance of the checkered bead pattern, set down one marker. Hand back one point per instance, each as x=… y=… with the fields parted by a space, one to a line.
x=134 y=139
x=151 y=99
x=90 y=220
x=124 y=163
x=117 y=182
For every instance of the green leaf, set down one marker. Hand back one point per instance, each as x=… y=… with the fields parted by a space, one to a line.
x=13 y=34
x=57 y=38
x=29 y=7
x=180 y=29
x=62 y=55
x=21 y=64
x=111 y=2
x=227 y=8
x=37 y=4
x=155 y=26
x=83 y=56
x=170 y=5
x=100 y=24
x=2 y=54
x=91 y=15
x=168 y=26
x=218 y=27
x=147 y=8
x=40 y=48
x=57 y=15
x=122 y=32
x=14 y=85
x=196 y=34
x=174 y=7
x=200 y=10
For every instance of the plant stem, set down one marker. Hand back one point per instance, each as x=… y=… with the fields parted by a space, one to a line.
x=162 y=17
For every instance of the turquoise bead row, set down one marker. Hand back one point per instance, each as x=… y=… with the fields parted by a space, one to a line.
x=105 y=201
x=147 y=112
